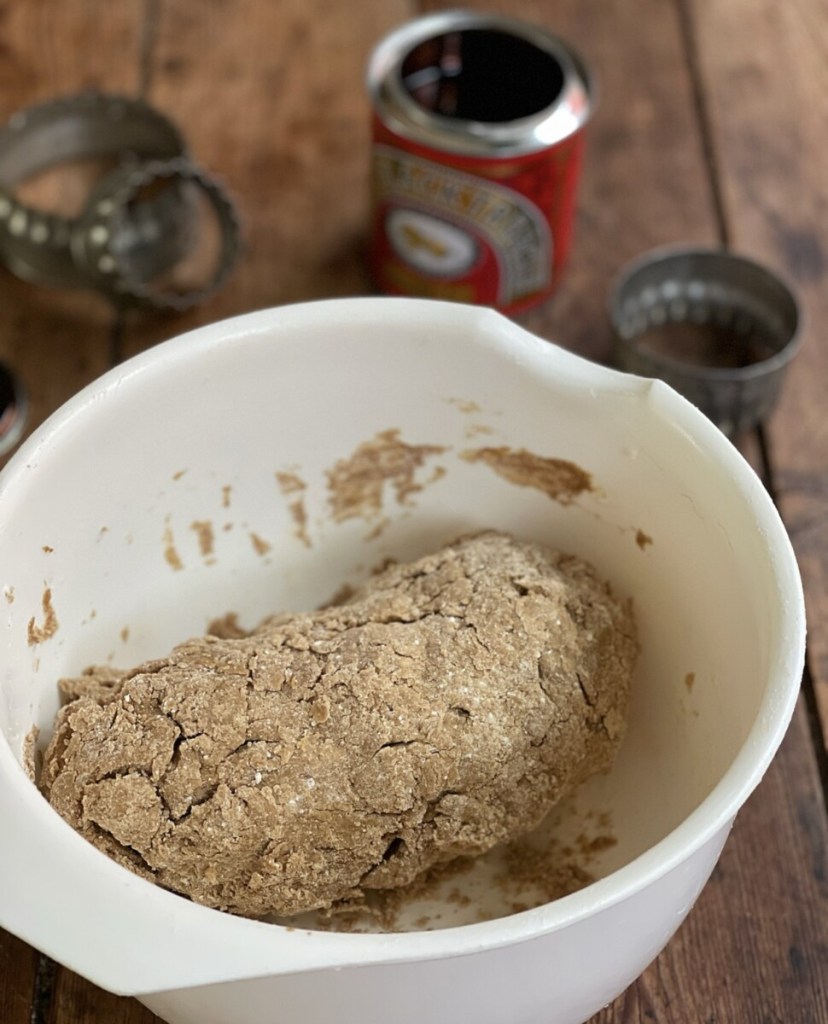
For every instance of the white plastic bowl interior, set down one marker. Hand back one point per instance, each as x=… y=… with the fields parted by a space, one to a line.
x=103 y=560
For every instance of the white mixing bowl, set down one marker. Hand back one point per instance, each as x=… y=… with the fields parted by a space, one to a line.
x=195 y=480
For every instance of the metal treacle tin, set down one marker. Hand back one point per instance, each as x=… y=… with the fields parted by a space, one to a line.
x=477 y=147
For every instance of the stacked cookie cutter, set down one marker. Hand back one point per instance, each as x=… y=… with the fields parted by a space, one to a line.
x=138 y=221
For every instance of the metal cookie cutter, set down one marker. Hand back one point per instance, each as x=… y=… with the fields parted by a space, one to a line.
x=36 y=245
x=97 y=242
x=14 y=408
x=147 y=234
x=719 y=328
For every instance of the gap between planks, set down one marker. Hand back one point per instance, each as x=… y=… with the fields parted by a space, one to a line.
x=688 y=34
x=43 y=990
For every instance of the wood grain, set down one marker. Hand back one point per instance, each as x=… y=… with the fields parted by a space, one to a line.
x=280 y=114
x=78 y=1001
x=766 y=83
x=716 y=134
x=58 y=341
x=645 y=181
x=17 y=973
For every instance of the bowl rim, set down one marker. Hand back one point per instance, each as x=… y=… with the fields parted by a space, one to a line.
x=222 y=947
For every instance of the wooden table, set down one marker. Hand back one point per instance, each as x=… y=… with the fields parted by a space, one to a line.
x=711 y=128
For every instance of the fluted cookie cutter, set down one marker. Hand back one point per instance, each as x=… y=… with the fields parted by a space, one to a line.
x=111 y=266
x=718 y=327
x=145 y=235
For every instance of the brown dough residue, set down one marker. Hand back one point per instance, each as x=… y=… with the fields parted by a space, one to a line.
x=689 y=681
x=440 y=711
x=561 y=480
x=476 y=429
x=39 y=634
x=8 y=593
x=528 y=876
x=356 y=485
x=30 y=754
x=227 y=626
x=551 y=874
x=292 y=484
x=171 y=555
x=300 y=520
x=203 y=529
x=642 y=539
x=465 y=405
x=260 y=545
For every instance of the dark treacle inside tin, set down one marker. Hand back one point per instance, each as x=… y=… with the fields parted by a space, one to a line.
x=484 y=75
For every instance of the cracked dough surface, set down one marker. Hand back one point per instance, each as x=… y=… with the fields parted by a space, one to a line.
x=443 y=709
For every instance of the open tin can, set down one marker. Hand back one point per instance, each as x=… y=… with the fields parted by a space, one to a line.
x=478 y=139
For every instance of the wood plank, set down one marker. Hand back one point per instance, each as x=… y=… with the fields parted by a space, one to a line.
x=297 y=160
x=289 y=136
x=54 y=48
x=17 y=974
x=645 y=179
x=56 y=340
x=766 y=76
x=77 y=1001
x=285 y=125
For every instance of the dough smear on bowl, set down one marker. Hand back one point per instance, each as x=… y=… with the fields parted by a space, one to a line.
x=443 y=709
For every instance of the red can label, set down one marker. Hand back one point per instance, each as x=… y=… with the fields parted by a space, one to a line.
x=491 y=231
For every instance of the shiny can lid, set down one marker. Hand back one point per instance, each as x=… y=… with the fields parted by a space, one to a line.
x=413 y=57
